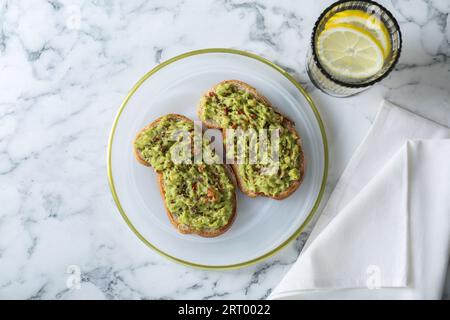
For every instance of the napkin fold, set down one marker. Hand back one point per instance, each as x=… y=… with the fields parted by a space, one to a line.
x=385 y=231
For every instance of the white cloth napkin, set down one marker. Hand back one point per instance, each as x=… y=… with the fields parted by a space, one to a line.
x=385 y=231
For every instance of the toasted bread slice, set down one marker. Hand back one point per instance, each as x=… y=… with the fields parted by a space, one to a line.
x=185 y=229
x=206 y=233
x=136 y=152
x=286 y=123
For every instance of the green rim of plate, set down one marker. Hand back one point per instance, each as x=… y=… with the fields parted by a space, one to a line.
x=199 y=52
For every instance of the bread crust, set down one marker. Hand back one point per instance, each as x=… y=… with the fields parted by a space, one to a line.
x=186 y=230
x=183 y=229
x=287 y=123
x=136 y=152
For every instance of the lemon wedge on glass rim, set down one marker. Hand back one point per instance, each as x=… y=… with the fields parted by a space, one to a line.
x=349 y=52
x=366 y=21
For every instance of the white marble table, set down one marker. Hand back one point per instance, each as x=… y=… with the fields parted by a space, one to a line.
x=65 y=67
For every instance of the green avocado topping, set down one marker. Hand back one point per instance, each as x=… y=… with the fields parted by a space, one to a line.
x=158 y=142
x=199 y=195
x=232 y=107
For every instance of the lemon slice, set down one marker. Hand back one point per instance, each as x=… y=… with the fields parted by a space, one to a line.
x=350 y=52
x=366 y=21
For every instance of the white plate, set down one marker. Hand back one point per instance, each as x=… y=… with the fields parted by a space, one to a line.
x=263 y=226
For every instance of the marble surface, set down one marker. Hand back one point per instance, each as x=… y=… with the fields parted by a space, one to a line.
x=65 y=67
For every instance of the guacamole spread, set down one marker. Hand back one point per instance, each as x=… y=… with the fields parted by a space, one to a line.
x=234 y=108
x=199 y=195
x=156 y=143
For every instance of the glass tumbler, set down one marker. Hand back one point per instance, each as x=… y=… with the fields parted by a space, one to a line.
x=333 y=84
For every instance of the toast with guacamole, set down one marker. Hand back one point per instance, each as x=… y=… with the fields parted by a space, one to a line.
x=233 y=104
x=199 y=197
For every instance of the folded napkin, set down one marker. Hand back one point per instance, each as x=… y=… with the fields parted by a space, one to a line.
x=385 y=231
